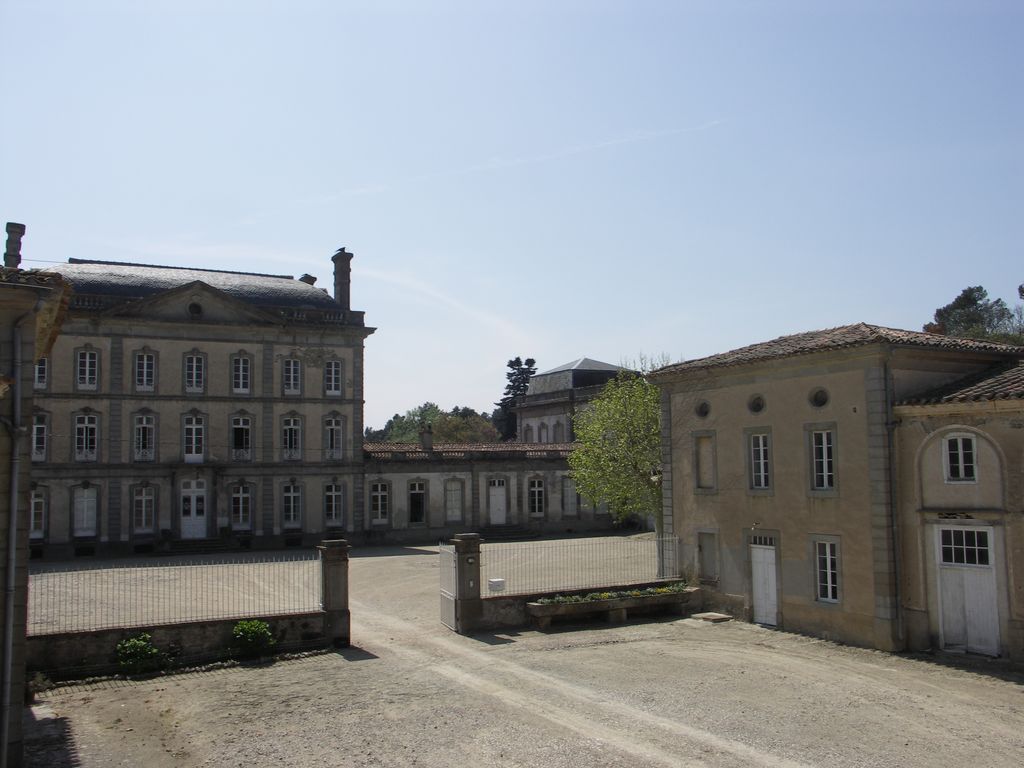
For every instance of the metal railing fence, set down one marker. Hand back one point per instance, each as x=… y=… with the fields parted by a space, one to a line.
x=72 y=598
x=546 y=566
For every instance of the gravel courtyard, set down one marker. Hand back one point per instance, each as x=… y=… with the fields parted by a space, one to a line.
x=673 y=692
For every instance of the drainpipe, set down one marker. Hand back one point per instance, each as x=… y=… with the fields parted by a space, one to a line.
x=17 y=430
x=890 y=435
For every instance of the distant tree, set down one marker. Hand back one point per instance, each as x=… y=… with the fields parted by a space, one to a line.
x=460 y=425
x=518 y=376
x=617 y=458
x=973 y=315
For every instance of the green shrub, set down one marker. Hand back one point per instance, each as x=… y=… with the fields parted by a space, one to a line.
x=138 y=654
x=252 y=638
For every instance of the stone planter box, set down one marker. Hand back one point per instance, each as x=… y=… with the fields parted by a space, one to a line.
x=616 y=609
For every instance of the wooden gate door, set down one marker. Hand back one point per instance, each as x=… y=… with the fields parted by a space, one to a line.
x=967 y=590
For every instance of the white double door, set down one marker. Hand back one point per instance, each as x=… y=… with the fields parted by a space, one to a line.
x=968 y=605
x=193 y=509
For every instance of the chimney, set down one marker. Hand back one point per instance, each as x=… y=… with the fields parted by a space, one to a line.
x=343 y=278
x=308 y=279
x=427 y=437
x=12 y=255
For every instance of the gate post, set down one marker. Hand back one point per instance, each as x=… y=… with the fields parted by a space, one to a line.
x=334 y=591
x=468 y=605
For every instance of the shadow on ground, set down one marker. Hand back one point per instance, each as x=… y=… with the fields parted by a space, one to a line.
x=49 y=742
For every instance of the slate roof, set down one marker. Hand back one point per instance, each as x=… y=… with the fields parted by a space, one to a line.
x=130 y=282
x=457 y=450
x=856 y=335
x=1000 y=382
x=583 y=364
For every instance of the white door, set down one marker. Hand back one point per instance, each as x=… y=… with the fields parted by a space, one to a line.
x=763 y=587
x=496 y=500
x=193 y=509
x=967 y=590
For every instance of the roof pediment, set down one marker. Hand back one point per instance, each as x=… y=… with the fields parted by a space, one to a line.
x=193 y=302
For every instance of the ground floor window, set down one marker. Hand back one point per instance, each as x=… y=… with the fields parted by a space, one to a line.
x=334 y=505
x=37 y=523
x=84 y=501
x=379 y=502
x=827 y=556
x=291 y=506
x=536 y=497
x=143 y=509
x=417 y=502
x=241 y=506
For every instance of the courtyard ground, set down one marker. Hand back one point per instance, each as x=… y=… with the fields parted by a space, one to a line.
x=673 y=692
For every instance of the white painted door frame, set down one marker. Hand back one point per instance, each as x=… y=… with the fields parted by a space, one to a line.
x=965 y=564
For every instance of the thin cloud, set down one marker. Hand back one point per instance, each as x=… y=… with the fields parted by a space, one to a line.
x=414 y=284
x=499 y=163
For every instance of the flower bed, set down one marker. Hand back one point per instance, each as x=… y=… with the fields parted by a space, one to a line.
x=616 y=605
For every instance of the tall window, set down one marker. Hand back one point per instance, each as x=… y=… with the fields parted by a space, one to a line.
x=144 y=437
x=960 y=462
x=42 y=374
x=143 y=509
x=145 y=371
x=332 y=377
x=241 y=438
x=452 y=500
x=37 y=515
x=333 y=431
x=379 y=502
x=87 y=427
x=291 y=438
x=542 y=433
x=241 y=375
x=536 y=497
x=291 y=506
x=292 y=376
x=194 y=434
x=823 y=470
x=827 y=553
x=760 y=472
x=40 y=429
x=87 y=364
x=241 y=506
x=417 y=502
x=83 y=502
x=558 y=433
x=334 y=509
x=570 y=499
x=528 y=434
x=195 y=373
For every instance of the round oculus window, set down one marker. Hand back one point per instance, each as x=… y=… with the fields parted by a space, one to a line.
x=756 y=404
x=819 y=397
x=703 y=408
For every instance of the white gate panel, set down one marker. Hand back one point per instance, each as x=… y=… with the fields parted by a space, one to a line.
x=449 y=584
x=763 y=586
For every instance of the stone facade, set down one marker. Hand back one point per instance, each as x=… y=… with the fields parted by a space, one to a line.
x=785 y=478
x=424 y=493
x=198 y=404
x=31 y=309
x=961 y=515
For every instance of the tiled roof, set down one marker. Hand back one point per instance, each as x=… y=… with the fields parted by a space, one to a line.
x=858 y=334
x=1000 y=382
x=583 y=364
x=137 y=281
x=458 y=450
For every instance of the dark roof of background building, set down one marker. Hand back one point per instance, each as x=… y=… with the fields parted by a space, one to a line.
x=583 y=364
x=137 y=281
x=858 y=334
x=1000 y=382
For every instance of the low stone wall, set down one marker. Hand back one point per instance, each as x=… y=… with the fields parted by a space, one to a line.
x=510 y=611
x=77 y=654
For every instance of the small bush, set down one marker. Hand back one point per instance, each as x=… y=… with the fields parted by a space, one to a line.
x=138 y=654
x=252 y=638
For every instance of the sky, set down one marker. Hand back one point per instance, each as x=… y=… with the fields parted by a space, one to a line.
x=542 y=178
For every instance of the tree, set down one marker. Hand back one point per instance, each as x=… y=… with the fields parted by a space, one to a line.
x=518 y=376
x=618 y=454
x=460 y=425
x=973 y=315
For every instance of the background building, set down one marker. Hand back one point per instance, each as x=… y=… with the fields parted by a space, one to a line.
x=545 y=413
x=197 y=405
